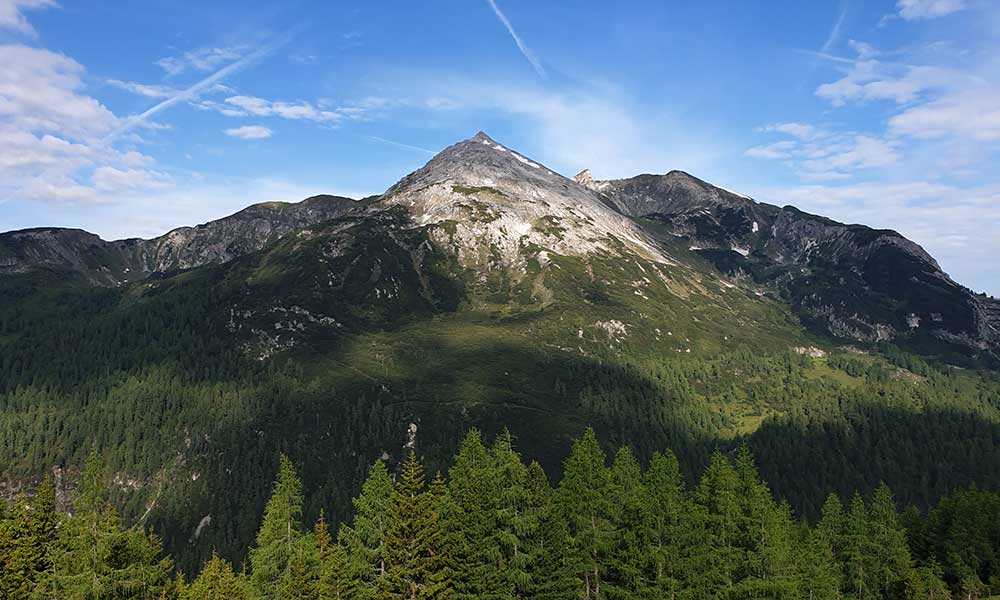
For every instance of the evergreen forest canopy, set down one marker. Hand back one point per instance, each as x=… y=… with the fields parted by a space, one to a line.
x=493 y=527
x=188 y=427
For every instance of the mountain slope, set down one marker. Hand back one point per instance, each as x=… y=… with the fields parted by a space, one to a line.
x=850 y=280
x=86 y=257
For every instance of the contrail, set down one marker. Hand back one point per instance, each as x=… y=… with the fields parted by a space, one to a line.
x=399 y=144
x=835 y=31
x=193 y=91
x=528 y=54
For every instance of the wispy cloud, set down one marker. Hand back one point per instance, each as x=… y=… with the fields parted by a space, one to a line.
x=193 y=91
x=12 y=17
x=249 y=132
x=202 y=59
x=528 y=54
x=143 y=89
x=928 y=9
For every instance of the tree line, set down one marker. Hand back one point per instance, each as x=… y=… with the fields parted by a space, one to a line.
x=493 y=527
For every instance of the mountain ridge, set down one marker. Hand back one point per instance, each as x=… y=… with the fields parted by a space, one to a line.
x=500 y=212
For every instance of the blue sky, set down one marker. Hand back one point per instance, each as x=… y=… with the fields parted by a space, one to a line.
x=128 y=120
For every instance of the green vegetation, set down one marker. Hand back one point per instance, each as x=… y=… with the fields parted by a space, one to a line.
x=495 y=528
x=471 y=191
x=327 y=346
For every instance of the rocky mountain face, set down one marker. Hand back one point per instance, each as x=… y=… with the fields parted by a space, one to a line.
x=502 y=214
x=852 y=281
x=500 y=208
x=83 y=255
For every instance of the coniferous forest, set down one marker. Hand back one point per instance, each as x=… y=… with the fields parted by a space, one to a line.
x=494 y=527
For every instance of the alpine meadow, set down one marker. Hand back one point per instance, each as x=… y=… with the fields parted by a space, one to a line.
x=488 y=379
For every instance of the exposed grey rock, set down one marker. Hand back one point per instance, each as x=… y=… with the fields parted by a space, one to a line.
x=855 y=281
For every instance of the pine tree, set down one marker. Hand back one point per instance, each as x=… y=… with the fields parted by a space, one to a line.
x=630 y=571
x=470 y=516
x=668 y=523
x=216 y=581
x=817 y=571
x=517 y=521
x=25 y=540
x=93 y=556
x=415 y=564
x=552 y=567
x=887 y=541
x=766 y=535
x=280 y=533
x=332 y=582
x=584 y=502
x=720 y=555
x=364 y=539
x=857 y=555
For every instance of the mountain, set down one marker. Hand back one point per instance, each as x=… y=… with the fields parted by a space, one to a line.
x=85 y=256
x=852 y=281
x=486 y=290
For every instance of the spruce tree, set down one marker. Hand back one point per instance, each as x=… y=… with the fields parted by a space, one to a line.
x=364 y=539
x=720 y=556
x=414 y=541
x=95 y=557
x=669 y=524
x=25 y=541
x=552 y=566
x=887 y=539
x=584 y=500
x=332 y=582
x=279 y=534
x=470 y=516
x=517 y=520
x=630 y=571
x=857 y=554
x=216 y=581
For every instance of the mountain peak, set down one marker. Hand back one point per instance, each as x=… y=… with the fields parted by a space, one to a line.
x=497 y=202
x=481 y=137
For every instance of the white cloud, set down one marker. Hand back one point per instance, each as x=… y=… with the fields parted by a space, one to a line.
x=869 y=79
x=211 y=83
x=928 y=9
x=776 y=150
x=862 y=152
x=825 y=156
x=802 y=131
x=249 y=132
x=142 y=89
x=972 y=114
x=243 y=106
x=110 y=179
x=201 y=59
x=12 y=17
x=51 y=145
x=39 y=91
